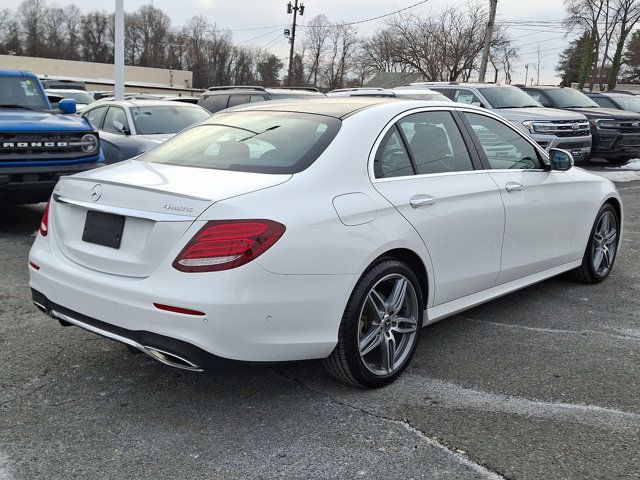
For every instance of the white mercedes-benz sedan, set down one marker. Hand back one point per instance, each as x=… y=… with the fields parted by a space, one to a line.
x=319 y=229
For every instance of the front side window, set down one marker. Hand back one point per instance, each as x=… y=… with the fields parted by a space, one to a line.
x=392 y=159
x=115 y=114
x=436 y=143
x=252 y=141
x=503 y=146
x=95 y=116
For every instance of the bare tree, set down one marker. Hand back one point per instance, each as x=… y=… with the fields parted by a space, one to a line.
x=587 y=15
x=629 y=15
x=316 y=42
x=343 y=42
x=97 y=37
x=32 y=15
x=440 y=47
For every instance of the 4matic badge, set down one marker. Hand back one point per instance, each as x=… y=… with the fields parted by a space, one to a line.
x=177 y=208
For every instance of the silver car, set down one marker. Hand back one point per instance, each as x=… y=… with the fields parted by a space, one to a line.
x=130 y=127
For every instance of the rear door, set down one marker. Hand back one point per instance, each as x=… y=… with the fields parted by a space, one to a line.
x=425 y=168
x=540 y=204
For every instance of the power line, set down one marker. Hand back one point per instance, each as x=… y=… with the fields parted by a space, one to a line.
x=357 y=22
x=259 y=36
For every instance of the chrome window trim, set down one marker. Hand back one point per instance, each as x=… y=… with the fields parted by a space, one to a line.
x=127 y=212
x=458 y=108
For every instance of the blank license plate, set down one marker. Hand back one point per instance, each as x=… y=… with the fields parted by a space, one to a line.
x=103 y=229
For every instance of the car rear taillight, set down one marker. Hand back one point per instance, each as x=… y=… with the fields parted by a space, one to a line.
x=226 y=244
x=44 y=224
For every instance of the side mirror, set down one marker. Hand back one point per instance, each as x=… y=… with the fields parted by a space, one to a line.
x=119 y=126
x=67 y=105
x=560 y=159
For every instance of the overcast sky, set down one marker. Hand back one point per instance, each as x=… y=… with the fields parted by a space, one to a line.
x=244 y=14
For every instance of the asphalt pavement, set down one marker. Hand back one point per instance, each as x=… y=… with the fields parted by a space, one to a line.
x=540 y=384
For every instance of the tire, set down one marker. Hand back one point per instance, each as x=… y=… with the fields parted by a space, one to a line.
x=618 y=161
x=592 y=270
x=369 y=325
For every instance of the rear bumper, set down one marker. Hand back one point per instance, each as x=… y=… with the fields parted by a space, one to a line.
x=32 y=184
x=177 y=353
x=250 y=314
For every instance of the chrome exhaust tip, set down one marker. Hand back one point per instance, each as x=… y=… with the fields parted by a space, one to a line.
x=170 y=359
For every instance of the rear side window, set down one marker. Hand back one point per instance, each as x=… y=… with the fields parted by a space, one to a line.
x=392 y=159
x=238 y=100
x=214 y=103
x=435 y=143
x=251 y=141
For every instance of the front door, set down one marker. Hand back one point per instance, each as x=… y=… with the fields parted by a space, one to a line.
x=540 y=204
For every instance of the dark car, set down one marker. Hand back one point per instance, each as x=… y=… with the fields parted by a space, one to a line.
x=215 y=99
x=615 y=133
x=616 y=100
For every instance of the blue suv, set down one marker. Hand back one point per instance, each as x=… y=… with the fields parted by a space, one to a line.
x=38 y=144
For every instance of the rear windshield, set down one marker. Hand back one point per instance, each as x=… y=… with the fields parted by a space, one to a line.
x=250 y=141
x=153 y=120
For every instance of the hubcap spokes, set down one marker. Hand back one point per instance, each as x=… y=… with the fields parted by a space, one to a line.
x=388 y=325
x=604 y=243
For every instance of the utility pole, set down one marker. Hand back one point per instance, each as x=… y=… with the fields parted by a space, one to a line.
x=293 y=8
x=118 y=57
x=487 y=39
x=526 y=74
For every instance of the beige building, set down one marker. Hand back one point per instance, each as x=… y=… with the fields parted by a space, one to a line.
x=99 y=76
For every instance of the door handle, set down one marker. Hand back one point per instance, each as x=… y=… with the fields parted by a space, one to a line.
x=513 y=187
x=421 y=200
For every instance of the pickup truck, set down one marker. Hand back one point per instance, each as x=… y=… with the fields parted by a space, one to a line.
x=38 y=145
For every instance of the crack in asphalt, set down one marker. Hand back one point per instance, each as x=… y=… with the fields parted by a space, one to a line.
x=632 y=336
x=406 y=424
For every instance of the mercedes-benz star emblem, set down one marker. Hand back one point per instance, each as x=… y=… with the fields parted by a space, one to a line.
x=96 y=192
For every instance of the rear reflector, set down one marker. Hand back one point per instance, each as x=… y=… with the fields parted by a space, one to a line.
x=226 y=244
x=44 y=224
x=185 y=311
x=34 y=266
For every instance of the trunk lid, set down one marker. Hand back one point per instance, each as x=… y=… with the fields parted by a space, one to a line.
x=158 y=202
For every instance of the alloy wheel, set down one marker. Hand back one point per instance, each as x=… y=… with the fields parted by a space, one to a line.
x=388 y=325
x=605 y=242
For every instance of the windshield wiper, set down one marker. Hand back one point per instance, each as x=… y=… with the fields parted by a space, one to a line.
x=8 y=105
x=259 y=133
x=580 y=106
